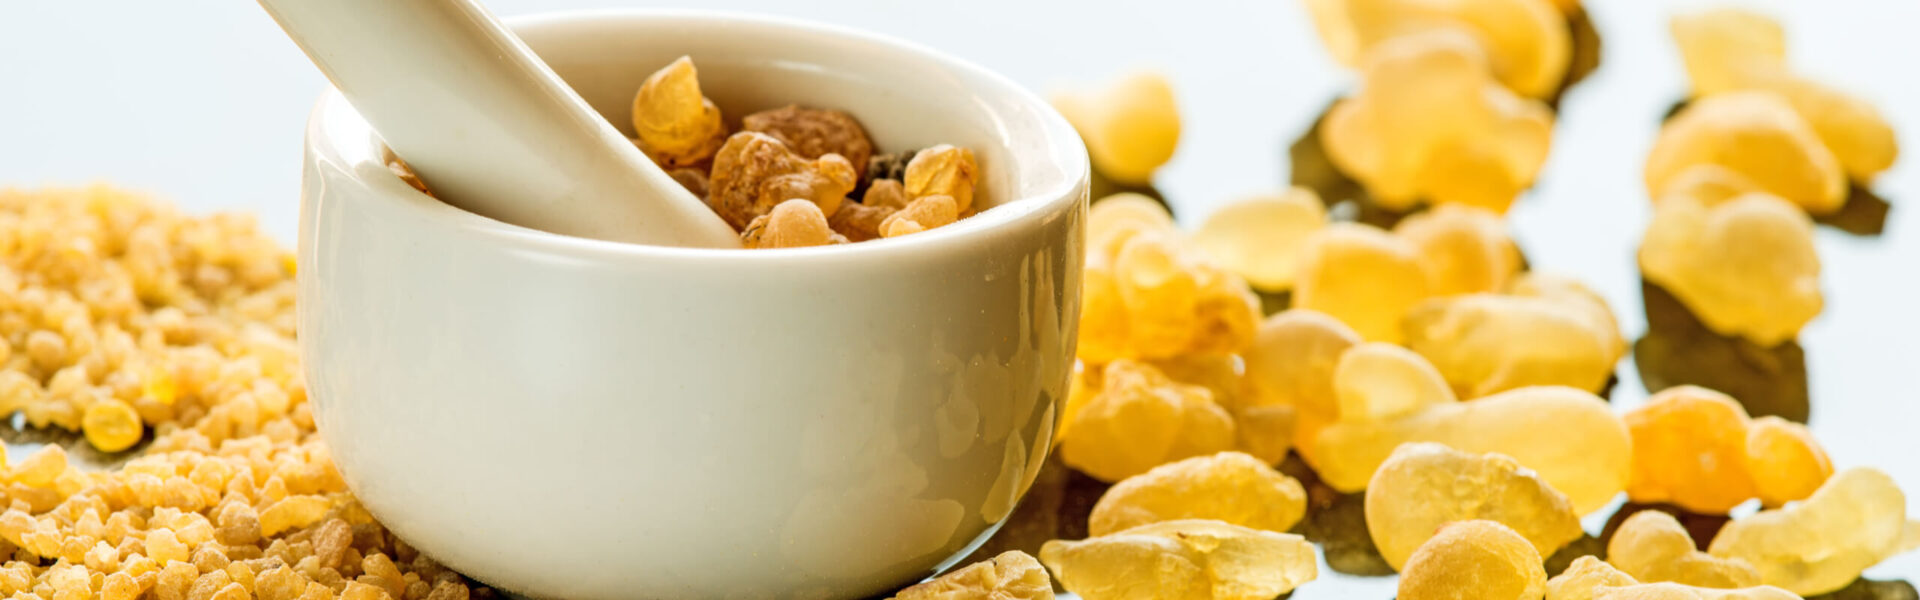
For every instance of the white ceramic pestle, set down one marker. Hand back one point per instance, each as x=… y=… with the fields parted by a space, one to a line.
x=489 y=126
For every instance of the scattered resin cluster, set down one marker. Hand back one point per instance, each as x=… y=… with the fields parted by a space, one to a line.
x=1449 y=109
x=1736 y=174
x=786 y=179
x=1419 y=363
x=1696 y=448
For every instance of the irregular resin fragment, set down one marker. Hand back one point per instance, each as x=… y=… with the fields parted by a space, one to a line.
x=943 y=170
x=1182 y=304
x=112 y=425
x=1708 y=184
x=1362 y=276
x=1219 y=373
x=1229 y=486
x=1695 y=447
x=1157 y=297
x=1746 y=267
x=1261 y=238
x=1117 y=218
x=1785 y=461
x=1292 y=359
x=1653 y=547
x=1728 y=49
x=1141 y=419
x=795 y=223
x=1576 y=295
x=813 y=133
x=1428 y=123
x=753 y=172
x=858 y=221
x=1859 y=136
x=1265 y=432
x=1489 y=343
x=1526 y=41
x=1690 y=449
x=1585 y=454
x=1182 y=560
x=1757 y=135
x=1464 y=249
x=1723 y=48
x=1589 y=578
x=1013 y=575
x=1377 y=380
x=1583 y=577
x=1131 y=126
x=1819 y=545
x=1262 y=429
x=1473 y=560
x=1424 y=486
x=923 y=213
x=677 y=126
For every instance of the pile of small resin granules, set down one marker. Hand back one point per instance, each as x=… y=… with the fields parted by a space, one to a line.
x=1425 y=365
x=118 y=314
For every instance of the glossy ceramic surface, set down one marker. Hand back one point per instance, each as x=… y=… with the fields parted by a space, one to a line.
x=573 y=418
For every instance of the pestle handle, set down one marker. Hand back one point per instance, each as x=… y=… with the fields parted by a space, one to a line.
x=489 y=126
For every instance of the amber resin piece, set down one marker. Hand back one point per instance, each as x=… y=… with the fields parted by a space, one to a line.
x=1653 y=547
x=1787 y=464
x=1292 y=359
x=1589 y=578
x=1424 y=486
x=1526 y=41
x=753 y=172
x=1229 y=486
x=1013 y=575
x=1363 y=276
x=813 y=133
x=1728 y=49
x=1148 y=294
x=1584 y=577
x=1689 y=449
x=1182 y=560
x=1857 y=519
x=795 y=223
x=1585 y=455
x=1131 y=126
x=1473 y=560
x=1723 y=48
x=1261 y=238
x=677 y=126
x=1545 y=330
x=1429 y=123
x=1141 y=419
x=1757 y=135
x=943 y=170
x=1465 y=249
x=1380 y=381
x=923 y=213
x=1746 y=266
